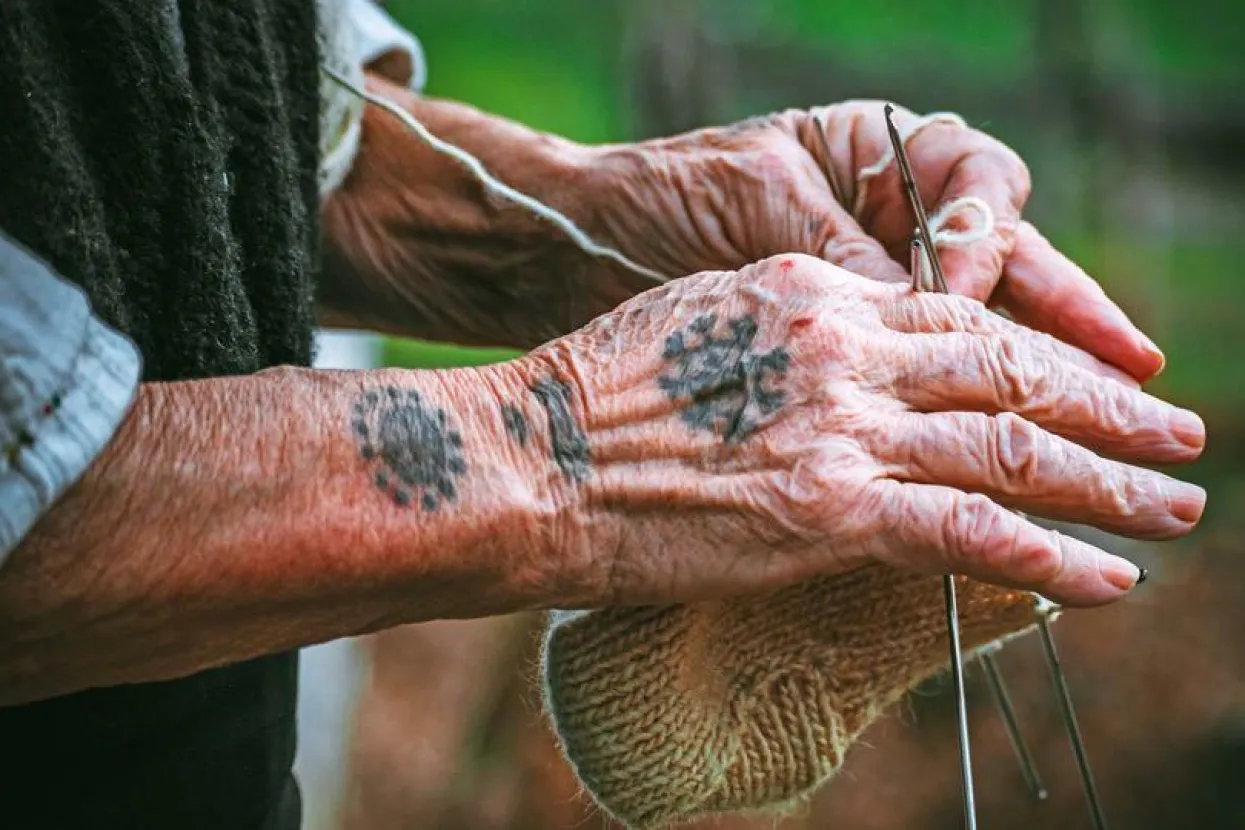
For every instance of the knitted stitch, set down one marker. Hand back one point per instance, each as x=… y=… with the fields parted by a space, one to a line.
x=667 y=713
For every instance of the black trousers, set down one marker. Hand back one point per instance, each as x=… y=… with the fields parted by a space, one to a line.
x=214 y=751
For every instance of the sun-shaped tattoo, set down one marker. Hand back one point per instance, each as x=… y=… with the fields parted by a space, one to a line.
x=409 y=445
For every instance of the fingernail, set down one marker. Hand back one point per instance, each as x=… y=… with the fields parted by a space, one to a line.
x=1120 y=572
x=1186 y=501
x=1148 y=345
x=1188 y=428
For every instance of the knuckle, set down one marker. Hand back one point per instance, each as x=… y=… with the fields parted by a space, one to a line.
x=1115 y=406
x=1009 y=166
x=989 y=542
x=770 y=161
x=971 y=529
x=796 y=273
x=824 y=353
x=963 y=313
x=1008 y=367
x=1125 y=495
x=1034 y=561
x=1019 y=177
x=1015 y=450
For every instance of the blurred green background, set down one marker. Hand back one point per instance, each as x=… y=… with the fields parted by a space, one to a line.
x=1130 y=113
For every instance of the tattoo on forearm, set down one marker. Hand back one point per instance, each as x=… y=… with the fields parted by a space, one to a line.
x=727 y=385
x=410 y=446
x=515 y=422
x=569 y=444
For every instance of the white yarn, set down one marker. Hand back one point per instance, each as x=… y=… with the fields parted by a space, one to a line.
x=1047 y=608
x=888 y=155
x=942 y=235
x=495 y=186
x=938 y=223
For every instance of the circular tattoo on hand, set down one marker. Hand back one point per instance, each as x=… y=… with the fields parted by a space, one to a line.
x=415 y=453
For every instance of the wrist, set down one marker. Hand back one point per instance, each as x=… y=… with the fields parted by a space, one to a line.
x=414 y=245
x=545 y=419
x=503 y=532
x=428 y=510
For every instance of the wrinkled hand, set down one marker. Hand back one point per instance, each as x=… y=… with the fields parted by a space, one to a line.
x=749 y=430
x=723 y=197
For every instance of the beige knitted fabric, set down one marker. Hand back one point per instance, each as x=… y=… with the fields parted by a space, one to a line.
x=669 y=713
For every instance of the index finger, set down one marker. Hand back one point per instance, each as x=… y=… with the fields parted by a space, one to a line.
x=928 y=313
x=983 y=168
x=988 y=373
x=1045 y=290
x=950 y=162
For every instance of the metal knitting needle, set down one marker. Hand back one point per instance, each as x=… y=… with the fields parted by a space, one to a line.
x=961 y=703
x=1003 y=701
x=1069 y=721
x=820 y=123
x=924 y=252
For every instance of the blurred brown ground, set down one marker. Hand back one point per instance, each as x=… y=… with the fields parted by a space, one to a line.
x=451 y=737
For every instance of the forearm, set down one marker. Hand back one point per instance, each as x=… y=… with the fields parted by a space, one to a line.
x=415 y=247
x=237 y=517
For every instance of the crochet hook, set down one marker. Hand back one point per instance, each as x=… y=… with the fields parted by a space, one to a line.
x=925 y=254
x=914 y=199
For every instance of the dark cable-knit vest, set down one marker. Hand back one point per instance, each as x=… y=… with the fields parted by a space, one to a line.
x=162 y=154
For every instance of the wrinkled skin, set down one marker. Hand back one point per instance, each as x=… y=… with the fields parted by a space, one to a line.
x=906 y=421
x=724 y=197
x=414 y=246
x=904 y=415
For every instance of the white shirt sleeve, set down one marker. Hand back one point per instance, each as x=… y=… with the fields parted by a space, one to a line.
x=377 y=34
x=66 y=383
x=354 y=33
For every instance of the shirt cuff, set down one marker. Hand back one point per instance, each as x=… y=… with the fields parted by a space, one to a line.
x=68 y=410
x=377 y=34
x=358 y=33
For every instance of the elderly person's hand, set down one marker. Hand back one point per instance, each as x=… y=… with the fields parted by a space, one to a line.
x=736 y=431
x=415 y=246
x=801 y=181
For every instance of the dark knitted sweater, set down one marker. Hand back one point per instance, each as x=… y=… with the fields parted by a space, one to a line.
x=162 y=154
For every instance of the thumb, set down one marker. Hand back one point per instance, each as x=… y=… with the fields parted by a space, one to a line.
x=836 y=237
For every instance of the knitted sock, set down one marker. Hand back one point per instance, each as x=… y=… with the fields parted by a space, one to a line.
x=667 y=713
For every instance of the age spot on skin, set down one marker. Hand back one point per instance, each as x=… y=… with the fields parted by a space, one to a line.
x=410 y=446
